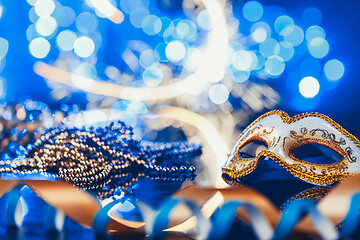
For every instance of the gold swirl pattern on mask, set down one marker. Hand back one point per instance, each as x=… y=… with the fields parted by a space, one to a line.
x=315 y=194
x=326 y=177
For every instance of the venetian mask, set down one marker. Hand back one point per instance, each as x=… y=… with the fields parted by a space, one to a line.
x=284 y=135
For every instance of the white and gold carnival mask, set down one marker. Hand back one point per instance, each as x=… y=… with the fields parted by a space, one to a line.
x=283 y=135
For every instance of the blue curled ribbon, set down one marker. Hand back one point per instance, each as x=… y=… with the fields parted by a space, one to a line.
x=352 y=219
x=162 y=219
x=12 y=202
x=221 y=221
x=292 y=215
x=224 y=217
x=50 y=218
x=102 y=218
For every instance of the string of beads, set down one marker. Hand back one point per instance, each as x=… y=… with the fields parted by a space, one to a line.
x=103 y=158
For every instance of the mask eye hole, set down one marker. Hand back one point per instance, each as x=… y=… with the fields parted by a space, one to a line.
x=317 y=153
x=252 y=148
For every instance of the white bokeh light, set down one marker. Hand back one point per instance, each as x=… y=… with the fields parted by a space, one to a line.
x=175 y=51
x=65 y=40
x=242 y=60
x=309 y=87
x=218 y=93
x=259 y=35
x=46 y=26
x=84 y=47
x=44 y=8
x=39 y=47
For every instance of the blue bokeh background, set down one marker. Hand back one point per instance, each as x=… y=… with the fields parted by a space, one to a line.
x=341 y=101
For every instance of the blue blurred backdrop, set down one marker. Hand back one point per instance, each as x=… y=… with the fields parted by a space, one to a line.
x=306 y=52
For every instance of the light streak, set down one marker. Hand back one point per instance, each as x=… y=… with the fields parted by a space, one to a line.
x=108 y=10
x=210 y=70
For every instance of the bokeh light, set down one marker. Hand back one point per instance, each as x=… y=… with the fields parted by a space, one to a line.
x=286 y=50
x=260 y=31
x=312 y=16
x=39 y=47
x=160 y=50
x=31 y=2
x=269 y=47
x=151 y=25
x=218 y=93
x=260 y=60
x=318 y=47
x=128 y=5
x=137 y=107
x=175 y=51
x=314 y=32
x=137 y=16
x=283 y=22
x=148 y=58
x=253 y=11
x=4 y=47
x=65 y=40
x=274 y=66
x=186 y=29
x=44 y=8
x=203 y=20
x=33 y=16
x=259 y=35
x=254 y=61
x=334 y=70
x=31 y=32
x=84 y=47
x=309 y=87
x=86 y=70
x=170 y=33
x=64 y=16
x=152 y=76
x=239 y=76
x=242 y=60
x=86 y=22
x=46 y=26
x=293 y=35
x=165 y=23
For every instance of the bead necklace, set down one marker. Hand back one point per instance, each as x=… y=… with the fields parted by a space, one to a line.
x=103 y=159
